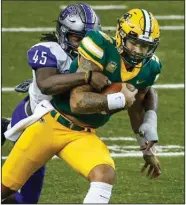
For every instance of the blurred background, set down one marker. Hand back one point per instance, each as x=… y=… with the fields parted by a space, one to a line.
x=23 y=22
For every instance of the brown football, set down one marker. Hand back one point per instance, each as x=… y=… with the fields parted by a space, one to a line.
x=112 y=88
x=116 y=87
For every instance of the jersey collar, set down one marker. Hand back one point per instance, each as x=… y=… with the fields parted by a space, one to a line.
x=126 y=75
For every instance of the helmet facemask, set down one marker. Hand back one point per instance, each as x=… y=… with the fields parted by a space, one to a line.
x=63 y=36
x=131 y=57
x=137 y=36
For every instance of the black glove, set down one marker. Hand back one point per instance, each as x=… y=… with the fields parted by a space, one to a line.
x=23 y=87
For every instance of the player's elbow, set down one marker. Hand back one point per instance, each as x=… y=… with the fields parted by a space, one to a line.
x=75 y=104
x=45 y=89
x=75 y=108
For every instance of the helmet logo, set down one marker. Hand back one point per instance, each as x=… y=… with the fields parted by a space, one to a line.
x=127 y=16
x=69 y=11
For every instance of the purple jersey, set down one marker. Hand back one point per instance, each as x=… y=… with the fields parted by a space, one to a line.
x=46 y=54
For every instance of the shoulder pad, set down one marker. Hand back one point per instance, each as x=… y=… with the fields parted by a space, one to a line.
x=46 y=54
x=93 y=44
x=155 y=67
x=107 y=37
x=92 y=47
x=156 y=64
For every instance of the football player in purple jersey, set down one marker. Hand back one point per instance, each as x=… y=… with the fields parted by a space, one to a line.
x=50 y=61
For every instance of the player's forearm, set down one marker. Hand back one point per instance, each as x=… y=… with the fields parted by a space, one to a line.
x=84 y=101
x=61 y=83
x=151 y=100
x=89 y=103
x=137 y=110
x=136 y=115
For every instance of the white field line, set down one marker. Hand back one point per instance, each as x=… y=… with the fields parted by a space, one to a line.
x=7 y=89
x=169 y=86
x=49 y=29
x=167 y=28
x=103 y=7
x=118 y=138
x=139 y=154
x=170 y=17
x=121 y=7
x=158 y=86
x=162 y=150
x=132 y=154
x=158 y=147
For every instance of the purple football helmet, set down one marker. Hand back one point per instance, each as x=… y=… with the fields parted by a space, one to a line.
x=75 y=19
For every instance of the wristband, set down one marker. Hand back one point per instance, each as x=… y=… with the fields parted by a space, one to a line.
x=116 y=101
x=88 y=76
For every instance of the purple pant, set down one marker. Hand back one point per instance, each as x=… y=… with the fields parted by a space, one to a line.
x=31 y=191
x=19 y=113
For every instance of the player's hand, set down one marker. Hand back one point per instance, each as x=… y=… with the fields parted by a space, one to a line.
x=99 y=81
x=153 y=166
x=24 y=86
x=129 y=92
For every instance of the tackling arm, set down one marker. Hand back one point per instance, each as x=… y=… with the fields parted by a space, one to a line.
x=44 y=59
x=51 y=83
x=84 y=100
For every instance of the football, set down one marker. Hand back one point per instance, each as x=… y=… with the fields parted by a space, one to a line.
x=112 y=88
x=116 y=87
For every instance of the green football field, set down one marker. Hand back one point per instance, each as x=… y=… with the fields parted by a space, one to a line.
x=20 y=24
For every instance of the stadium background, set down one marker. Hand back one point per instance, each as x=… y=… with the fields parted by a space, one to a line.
x=22 y=25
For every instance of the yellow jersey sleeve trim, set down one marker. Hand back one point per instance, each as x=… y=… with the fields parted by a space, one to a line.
x=78 y=59
x=92 y=47
x=88 y=57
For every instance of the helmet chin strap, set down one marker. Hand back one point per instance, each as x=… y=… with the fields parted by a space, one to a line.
x=72 y=52
x=134 y=60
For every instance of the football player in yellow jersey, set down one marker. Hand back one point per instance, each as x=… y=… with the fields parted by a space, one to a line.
x=68 y=132
x=137 y=39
